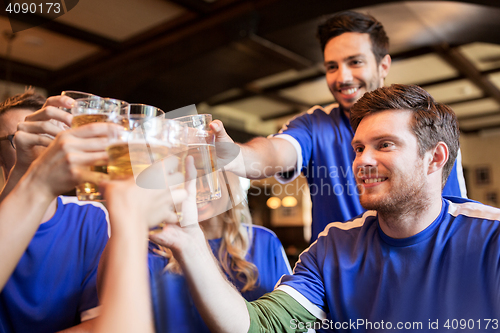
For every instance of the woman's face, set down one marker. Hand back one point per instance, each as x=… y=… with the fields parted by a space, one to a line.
x=209 y=209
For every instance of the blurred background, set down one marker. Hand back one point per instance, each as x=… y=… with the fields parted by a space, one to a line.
x=254 y=64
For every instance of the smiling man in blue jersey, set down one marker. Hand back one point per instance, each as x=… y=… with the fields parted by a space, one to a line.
x=318 y=142
x=414 y=260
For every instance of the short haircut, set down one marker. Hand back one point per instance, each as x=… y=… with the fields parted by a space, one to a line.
x=432 y=123
x=28 y=100
x=350 y=21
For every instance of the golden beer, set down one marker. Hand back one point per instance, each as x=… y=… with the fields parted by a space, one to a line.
x=89 y=191
x=121 y=154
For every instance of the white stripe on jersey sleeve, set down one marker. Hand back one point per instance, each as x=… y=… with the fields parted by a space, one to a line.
x=298 y=166
x=356 y=223
x=460 y=175
x=67 y=199
x=473 y=209
x=90 y=313
x=313 y=309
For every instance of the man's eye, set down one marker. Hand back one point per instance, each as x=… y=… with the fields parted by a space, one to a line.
x=331 y=67
x=386 y=145
x=358 y=149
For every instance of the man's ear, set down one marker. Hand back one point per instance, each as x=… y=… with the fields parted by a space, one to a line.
x=439 y=157
x=384 y=66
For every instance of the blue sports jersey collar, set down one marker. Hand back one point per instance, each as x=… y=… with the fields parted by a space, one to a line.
x=55 y=218
x=421 y=236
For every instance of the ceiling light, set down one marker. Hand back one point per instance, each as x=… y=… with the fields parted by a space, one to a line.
x=289 y=202
x=273 y=202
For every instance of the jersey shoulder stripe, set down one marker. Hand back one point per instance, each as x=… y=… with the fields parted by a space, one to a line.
x=474 y=210
x=74 y=200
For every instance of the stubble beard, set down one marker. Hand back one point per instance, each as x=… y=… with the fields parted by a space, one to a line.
x=404 y=198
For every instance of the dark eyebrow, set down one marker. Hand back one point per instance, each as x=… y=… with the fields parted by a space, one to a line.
x=360 y=55
x=355 y=56
x=378 y=138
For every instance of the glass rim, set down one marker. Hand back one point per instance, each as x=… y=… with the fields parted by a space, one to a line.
x=78 y=92
x=201 y=115
x=159 y=112
x=79 y=105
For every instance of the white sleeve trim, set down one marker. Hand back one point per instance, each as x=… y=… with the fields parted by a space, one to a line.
x=298 y=166
x=474 y=210
x=74 y=200
x=460 y=175
x=90 y=313
x=313 y=309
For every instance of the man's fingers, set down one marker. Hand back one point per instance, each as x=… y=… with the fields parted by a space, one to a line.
x=40 y=127
x=220 y=131
x=50 y=113
x=178 y=196
x=87 y=159
x=25 y=140
x=59 y=101
x=167 y=236
x=160 y=175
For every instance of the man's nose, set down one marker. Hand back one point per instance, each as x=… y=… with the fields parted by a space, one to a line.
x=344 y=74
x=365 y=159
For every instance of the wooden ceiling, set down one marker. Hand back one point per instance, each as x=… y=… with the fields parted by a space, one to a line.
x=253 y=63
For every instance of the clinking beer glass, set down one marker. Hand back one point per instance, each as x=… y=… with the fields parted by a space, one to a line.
x=201 y=144
x=92 y=110
x=153 y=152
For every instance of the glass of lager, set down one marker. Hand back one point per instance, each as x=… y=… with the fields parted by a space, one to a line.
x=153 y=153
x=201 y=144
x=91 y=110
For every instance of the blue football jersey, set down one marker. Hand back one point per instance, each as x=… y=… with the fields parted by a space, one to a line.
x=355 y=277
x=54 y=284
x=322 y=138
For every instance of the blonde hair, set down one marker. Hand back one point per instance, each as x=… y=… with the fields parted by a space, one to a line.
x=236 y=239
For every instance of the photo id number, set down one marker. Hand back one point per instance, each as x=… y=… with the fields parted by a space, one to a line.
x=33 y=8
x=463 y=324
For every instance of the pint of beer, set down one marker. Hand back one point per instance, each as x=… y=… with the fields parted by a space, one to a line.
x=201 y=144
x=132 y=151
x=92 y=110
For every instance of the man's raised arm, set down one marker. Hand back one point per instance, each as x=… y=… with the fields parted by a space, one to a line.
x=259 y=158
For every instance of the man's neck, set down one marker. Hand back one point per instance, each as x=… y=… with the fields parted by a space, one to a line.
x=407 y=223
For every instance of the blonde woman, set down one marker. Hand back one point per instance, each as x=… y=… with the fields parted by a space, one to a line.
x=252 y=258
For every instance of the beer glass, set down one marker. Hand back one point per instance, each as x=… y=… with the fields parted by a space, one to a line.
x=201 y=145
x=139 y=113
x=75 y=95
x=153 y=153
x=86 y=111
x=133 y=150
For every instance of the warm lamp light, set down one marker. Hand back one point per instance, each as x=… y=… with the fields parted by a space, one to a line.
x=273 y=202
x=289 y=202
